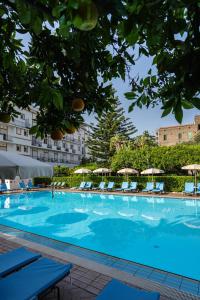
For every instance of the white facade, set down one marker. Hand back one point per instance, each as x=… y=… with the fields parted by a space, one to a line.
x=15 y=137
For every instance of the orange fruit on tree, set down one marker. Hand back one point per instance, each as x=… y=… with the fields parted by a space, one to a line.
x=70 y=130
x=57 y=134
x=78 y=104
x=86 y=16
x=5 y=117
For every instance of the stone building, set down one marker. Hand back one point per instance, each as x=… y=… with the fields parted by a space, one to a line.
x=172 y=135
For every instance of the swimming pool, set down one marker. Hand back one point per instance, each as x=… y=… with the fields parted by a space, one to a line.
x=160 y=232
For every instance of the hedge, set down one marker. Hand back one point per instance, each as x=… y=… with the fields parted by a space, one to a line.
x=172 y=183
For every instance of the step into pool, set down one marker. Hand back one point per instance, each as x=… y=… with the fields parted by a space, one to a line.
x=160 y=232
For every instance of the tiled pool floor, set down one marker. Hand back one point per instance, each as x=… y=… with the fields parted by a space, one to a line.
x=88 y=283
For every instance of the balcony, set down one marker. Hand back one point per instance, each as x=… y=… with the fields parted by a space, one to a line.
x=49 y=146
x=36 y=143
x=6 y=137
x=22 y=123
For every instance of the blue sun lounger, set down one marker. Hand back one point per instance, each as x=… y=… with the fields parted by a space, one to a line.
x=30 y=185
x=132 y=187
x=3 y=187
x=189 y=188
x=149 y=187
x=198 y=189
x=123 y=186
x=16 y=259
x=110 y=186
x=88 y=185
x=22 y=185
x=116 y=290
x=100 y=187
x=33 y=280
x=159 y=187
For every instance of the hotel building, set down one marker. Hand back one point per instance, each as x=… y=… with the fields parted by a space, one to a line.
x=15 y=137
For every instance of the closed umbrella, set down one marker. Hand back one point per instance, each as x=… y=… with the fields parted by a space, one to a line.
x=152 y=171
x=102 y=171
x=127 y=171
x=195 y=168
x=12 y=165
x=83 y=171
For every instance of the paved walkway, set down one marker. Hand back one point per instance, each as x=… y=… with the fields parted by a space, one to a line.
x=86 y=284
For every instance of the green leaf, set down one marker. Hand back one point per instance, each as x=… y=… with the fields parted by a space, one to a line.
x=178 y=112
x=129 y=95
x=131 y=107
x=166 y=112
x=37 y=25
x=186 y=104
x=57 y=100
x=196 y=102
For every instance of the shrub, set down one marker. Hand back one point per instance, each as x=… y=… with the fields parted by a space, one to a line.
x=42 y=180
x=172 y=183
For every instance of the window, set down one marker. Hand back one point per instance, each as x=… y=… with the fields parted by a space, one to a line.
x=198 y=126
x=25 y=132
x=18 y=131
x=18 y=148
x=26 y=149
x=180 y=136
x=22 y=116
x=190 y=135
x=72 y=147
x=164 y=137
x=79 y=148
x=45 y=141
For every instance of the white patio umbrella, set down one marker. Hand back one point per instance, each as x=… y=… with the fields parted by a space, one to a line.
x=152 y=171
x=195 y=168
x=127 y=171
x=12 y=165
x=102 y=171
x=82 y=171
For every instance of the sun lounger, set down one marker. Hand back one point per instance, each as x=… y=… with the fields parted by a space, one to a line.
x=33 y=280
x=82 y=185
x=110 y=186
x=116 y=290
x=123 y=186
x=159 y=187
x=3 y=187
x=149 y=187
x=22 y=185
x=189 y=188
x=30 y=185
x=132 y=187
x=198 y=189
x=88 y=186
x=16 y=259
x=100 y=187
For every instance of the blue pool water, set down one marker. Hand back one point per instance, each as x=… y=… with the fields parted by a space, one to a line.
x=159 y=232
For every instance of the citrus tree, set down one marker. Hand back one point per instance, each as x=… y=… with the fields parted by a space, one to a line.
x=77 y=46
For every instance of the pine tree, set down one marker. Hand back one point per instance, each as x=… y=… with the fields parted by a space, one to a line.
x=108 y=125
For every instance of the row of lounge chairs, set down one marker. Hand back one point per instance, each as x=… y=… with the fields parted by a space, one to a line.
x=28 y=275
x=125 y=187
x=21 y=185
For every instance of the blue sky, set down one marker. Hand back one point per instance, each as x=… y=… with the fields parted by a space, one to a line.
x=148 y=119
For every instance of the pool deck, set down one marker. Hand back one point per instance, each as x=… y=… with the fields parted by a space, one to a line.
x=90 y=276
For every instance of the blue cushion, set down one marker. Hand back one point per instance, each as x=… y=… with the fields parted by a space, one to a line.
x=116 y=290
x=16 y=259
x=32 y=280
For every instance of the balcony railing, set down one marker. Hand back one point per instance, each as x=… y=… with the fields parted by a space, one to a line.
x=6 y=137
x=24 y=123
x=36 y=143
